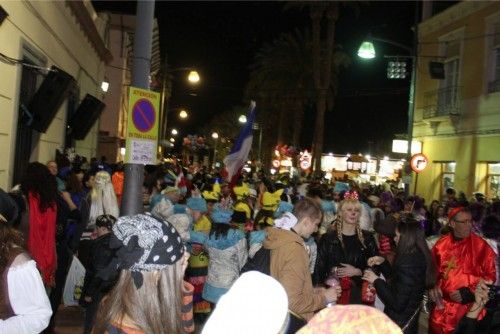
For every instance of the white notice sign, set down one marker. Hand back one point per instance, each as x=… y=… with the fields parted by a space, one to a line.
x=142 y=152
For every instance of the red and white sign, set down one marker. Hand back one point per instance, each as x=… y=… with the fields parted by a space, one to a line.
x=305 y=160
x=418 y=162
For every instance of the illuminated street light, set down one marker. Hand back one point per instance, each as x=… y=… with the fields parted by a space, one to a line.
x=193 y=77
x=105 y=85
x=242 y=119
x=183 y=114
x=366 y=50
x=397 y=70
x=172 y=140
x=215 y=135
x=174 y=132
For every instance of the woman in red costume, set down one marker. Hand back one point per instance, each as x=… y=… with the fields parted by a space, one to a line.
x=38 y=224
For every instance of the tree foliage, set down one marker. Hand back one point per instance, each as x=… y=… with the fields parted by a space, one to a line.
x=282 y=82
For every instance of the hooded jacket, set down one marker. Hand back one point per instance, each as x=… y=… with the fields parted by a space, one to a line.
x=290 y=266
x=227 y=256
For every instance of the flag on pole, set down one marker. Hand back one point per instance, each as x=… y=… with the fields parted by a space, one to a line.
x=180 y=182
x=238 y=155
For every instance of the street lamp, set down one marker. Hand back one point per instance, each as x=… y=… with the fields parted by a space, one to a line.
x=183 y=114
x=215 y=137
x=193 y=77
x=242 y=119
x=367 y=51
x=174 y=132
x=172 y=140
x=258 y=126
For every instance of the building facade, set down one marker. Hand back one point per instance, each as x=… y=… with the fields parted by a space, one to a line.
x=457 y=118
x=37 y=35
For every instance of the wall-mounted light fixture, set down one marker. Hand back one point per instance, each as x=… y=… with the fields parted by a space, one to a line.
x=105 y=85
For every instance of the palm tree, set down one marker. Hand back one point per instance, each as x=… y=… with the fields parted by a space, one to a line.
x=322 y=69
x=225 y=123
x=277 y=78
x=323 y=63
x=282 y=80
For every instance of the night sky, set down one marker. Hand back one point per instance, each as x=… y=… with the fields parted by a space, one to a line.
x=221 y=38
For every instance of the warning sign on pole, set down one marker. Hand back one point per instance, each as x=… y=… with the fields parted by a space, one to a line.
x=142 y=129
x=418 y=162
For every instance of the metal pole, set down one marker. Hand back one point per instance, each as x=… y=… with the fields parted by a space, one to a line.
x=415 y=186
x=215 y=152
x=411 y=98
x=260 y=145
x=134 y=173
x=163 y=114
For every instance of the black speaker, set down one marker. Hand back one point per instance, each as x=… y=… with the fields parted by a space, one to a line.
x=3 y=15
x=436 y=70
x=85 y=116
x=49 y=97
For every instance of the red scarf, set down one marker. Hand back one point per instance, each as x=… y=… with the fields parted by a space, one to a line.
x=42 y=238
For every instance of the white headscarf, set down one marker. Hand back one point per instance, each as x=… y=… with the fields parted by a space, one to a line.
x=103 y=198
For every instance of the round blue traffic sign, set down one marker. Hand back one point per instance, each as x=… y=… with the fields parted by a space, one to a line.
x=143 y=115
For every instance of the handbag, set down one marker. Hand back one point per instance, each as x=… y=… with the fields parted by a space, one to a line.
x=74 y=283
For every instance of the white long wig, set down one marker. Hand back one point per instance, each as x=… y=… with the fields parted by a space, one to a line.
x=102 y=198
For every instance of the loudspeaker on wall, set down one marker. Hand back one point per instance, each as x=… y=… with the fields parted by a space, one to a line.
x=85 y=116
x=49 y=97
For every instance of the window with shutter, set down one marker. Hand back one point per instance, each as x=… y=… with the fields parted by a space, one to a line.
x=448 y=92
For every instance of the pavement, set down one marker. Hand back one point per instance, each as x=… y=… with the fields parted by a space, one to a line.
x=69 y=320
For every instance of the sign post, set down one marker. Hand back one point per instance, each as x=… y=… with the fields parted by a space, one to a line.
x=142 y=130
x=141 y=68
x=418 y=162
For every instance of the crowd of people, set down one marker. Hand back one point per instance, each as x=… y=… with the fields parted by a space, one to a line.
x=266 y=254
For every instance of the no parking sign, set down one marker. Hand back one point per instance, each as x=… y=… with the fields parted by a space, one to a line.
x=142 y=134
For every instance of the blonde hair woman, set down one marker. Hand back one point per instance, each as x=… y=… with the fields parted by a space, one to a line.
x=102 y=198
x=345 y=249
x=150 y=295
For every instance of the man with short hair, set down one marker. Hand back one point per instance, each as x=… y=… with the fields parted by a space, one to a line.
x=53 y=169
x=462 y=259
x=289 y=263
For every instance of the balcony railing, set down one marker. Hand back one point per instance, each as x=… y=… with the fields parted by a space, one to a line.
x=442 y=102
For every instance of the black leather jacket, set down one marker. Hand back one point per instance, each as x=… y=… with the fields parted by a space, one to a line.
x=100 y=256
x=331 y=253
x=403 y=295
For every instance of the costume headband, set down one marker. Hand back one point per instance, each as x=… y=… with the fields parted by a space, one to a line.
x=454 y=211
x=351 y=196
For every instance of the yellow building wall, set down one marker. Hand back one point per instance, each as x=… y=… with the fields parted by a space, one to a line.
x=472 y=58
x=51 y=30
x=470 y=154
x=472 y=138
